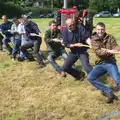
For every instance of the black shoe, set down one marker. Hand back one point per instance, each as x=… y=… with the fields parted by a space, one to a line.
x=81 y=76
x=111 y=97
x=30 y=58
x=104 y=94
x=1 y=49
x=20 y=59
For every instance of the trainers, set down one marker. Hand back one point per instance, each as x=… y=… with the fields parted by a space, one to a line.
x=13 y=59
x=81 y=76
x=63 y=74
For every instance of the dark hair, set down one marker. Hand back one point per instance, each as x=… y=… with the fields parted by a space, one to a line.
x=100 y=24
x=15 y=18
x=52 y=22
x=4 y=16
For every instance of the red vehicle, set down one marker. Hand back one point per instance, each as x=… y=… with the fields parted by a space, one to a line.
x=67 y=13
x=64 y=14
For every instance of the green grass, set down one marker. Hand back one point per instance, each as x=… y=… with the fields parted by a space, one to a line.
x=27 y=93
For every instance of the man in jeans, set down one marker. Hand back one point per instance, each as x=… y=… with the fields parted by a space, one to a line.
x=105 y=46
x=74 y=37
x=5 y=29
x=33 y=33
x=54 y=44
x=16 y=36
x=24 y=40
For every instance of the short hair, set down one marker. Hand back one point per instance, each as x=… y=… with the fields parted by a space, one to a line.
x=4 y=16
x=52 y=22
x=15 y=18
x=100 y=24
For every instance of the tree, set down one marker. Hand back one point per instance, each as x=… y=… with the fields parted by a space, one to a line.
x=2 y=1
x=93 y=5
x=99 y=5
x=113 y=5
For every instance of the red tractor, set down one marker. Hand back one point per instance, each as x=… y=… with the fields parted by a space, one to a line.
x=64 y=14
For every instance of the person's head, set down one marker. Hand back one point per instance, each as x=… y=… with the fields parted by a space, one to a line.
x=24 y=20
x=53 y=25
x=80 y=20
x=70 y=24
x=100 y=29
x=16 y=20
x=4 y=19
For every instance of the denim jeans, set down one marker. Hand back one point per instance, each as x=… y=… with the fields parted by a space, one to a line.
x=36 y=44
x=71 y=59
x=53 y=56
x=6 y=41
x=109 y=67
x=23 y=42
x=16 y=47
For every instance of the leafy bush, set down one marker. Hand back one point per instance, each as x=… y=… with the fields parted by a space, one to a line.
x=10 y=9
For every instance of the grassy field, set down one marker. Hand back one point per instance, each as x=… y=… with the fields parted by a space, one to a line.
x=27 y=93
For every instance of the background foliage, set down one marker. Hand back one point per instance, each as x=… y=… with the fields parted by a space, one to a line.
x=18 y=7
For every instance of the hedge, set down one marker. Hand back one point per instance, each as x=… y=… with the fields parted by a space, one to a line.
x=10 y=10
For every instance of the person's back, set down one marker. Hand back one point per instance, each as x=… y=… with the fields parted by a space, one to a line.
x=32 y=27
